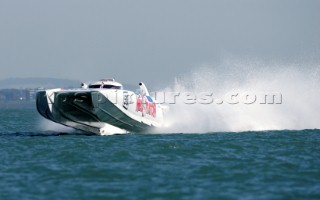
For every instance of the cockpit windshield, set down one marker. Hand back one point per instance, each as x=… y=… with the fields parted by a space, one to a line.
x=106 y=86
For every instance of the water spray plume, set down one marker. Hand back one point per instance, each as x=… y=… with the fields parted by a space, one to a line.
x=299 y=87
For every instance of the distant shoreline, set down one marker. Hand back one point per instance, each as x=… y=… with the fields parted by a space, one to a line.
x=17 y=104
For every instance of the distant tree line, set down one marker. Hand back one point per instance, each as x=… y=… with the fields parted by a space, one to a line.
x=18 y=94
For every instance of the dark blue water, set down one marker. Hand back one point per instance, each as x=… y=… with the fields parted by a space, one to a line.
x=37 y=164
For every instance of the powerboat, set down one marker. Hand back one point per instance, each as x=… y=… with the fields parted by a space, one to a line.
x=102 y=108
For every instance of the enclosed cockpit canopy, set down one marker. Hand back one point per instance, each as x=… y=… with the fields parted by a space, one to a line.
x=108 y=83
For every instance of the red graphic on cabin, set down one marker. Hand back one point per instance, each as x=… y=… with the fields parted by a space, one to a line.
x=146 y=105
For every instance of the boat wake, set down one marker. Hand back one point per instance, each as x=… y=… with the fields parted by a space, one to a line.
x=238 y=102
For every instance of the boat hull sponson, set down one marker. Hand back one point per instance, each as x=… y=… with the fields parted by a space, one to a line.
x=91 y=110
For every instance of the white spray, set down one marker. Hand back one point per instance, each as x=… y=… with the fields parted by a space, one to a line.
x=297 y=105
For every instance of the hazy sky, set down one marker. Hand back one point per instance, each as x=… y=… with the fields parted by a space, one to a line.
x=149 y=40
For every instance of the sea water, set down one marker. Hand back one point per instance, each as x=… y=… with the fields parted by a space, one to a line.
x=213 y=150
x=65 y=164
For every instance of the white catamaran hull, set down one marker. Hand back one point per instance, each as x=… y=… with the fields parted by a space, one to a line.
x=100 y=111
